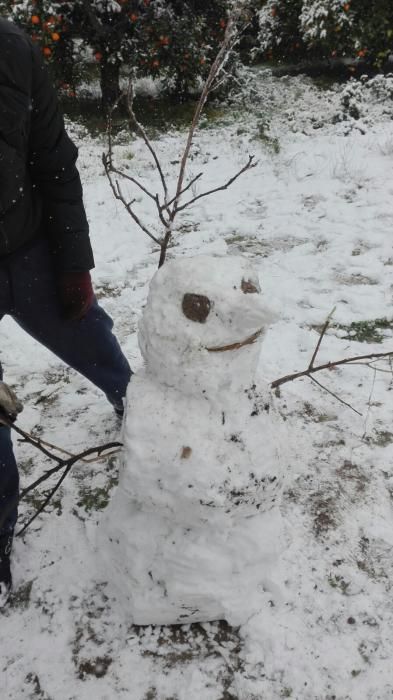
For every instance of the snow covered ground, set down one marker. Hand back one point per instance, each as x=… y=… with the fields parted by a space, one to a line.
x=316 y=217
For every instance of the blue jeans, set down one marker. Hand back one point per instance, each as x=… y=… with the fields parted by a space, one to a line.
x=28 y=295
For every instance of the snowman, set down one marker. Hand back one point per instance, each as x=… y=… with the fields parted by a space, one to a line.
x=193 y=531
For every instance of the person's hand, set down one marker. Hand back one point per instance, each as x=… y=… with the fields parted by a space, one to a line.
x=10 y=405
x=76 y=294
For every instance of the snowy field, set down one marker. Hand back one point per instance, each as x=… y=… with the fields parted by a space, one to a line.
x=316 y=217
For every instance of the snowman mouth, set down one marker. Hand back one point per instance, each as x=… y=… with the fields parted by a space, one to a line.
x=240 y=344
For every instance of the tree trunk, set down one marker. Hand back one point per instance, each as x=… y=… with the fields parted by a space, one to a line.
x=110 y=83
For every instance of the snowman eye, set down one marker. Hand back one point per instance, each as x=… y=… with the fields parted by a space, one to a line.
x=249 y=287
x=196 y=307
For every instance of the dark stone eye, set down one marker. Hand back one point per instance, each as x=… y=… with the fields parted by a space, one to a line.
x=249 y=287
x=196 y=307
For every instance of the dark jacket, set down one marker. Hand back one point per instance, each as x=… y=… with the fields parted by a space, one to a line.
x=40 y=188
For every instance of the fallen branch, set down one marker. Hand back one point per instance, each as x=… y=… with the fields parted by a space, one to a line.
x=65 y=464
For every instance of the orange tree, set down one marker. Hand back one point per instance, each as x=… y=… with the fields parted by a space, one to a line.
x=170 y=39
x=290 y=29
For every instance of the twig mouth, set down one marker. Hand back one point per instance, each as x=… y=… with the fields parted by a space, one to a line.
x=236 y=346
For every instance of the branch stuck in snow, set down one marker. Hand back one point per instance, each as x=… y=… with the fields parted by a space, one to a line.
x=364 y=360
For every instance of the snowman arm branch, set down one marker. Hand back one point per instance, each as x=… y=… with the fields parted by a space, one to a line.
x=321 y=337
x=335 y=396
x=355 y=360
x=250 y=164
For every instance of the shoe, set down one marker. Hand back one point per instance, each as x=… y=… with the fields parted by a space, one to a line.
x=5 y=567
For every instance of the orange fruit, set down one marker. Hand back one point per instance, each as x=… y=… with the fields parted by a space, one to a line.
x=98 y=56
x=55 y=36
x=46 y=51
x=35 y=19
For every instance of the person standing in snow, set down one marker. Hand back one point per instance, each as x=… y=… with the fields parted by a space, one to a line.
x=45 y=251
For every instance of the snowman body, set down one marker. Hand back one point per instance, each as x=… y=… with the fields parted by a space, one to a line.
x=193 y=532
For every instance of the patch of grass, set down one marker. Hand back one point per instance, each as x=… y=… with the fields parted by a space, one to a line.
x=324 y=514
x=106 y=291
x=34 y=682
x=91 y=499
x=271 y=142
x=352 y=474
x=382 y=438
x=35 y=499
x=339 y=582
x=21 y=597
x=97 y=667
x=366 y=331
x=157 y=114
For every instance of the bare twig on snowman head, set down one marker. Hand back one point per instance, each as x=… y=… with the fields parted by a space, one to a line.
x=230 y=37
x=169 y=206
x=141 y=131
x=248 y=166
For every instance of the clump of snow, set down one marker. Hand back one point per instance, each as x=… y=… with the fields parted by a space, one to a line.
x=193 y=532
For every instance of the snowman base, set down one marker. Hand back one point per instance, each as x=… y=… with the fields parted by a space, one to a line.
x=164 y=573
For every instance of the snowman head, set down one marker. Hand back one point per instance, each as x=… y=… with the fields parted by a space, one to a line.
x=203 y=322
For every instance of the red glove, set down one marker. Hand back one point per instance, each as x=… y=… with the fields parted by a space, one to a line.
x=76 y=294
